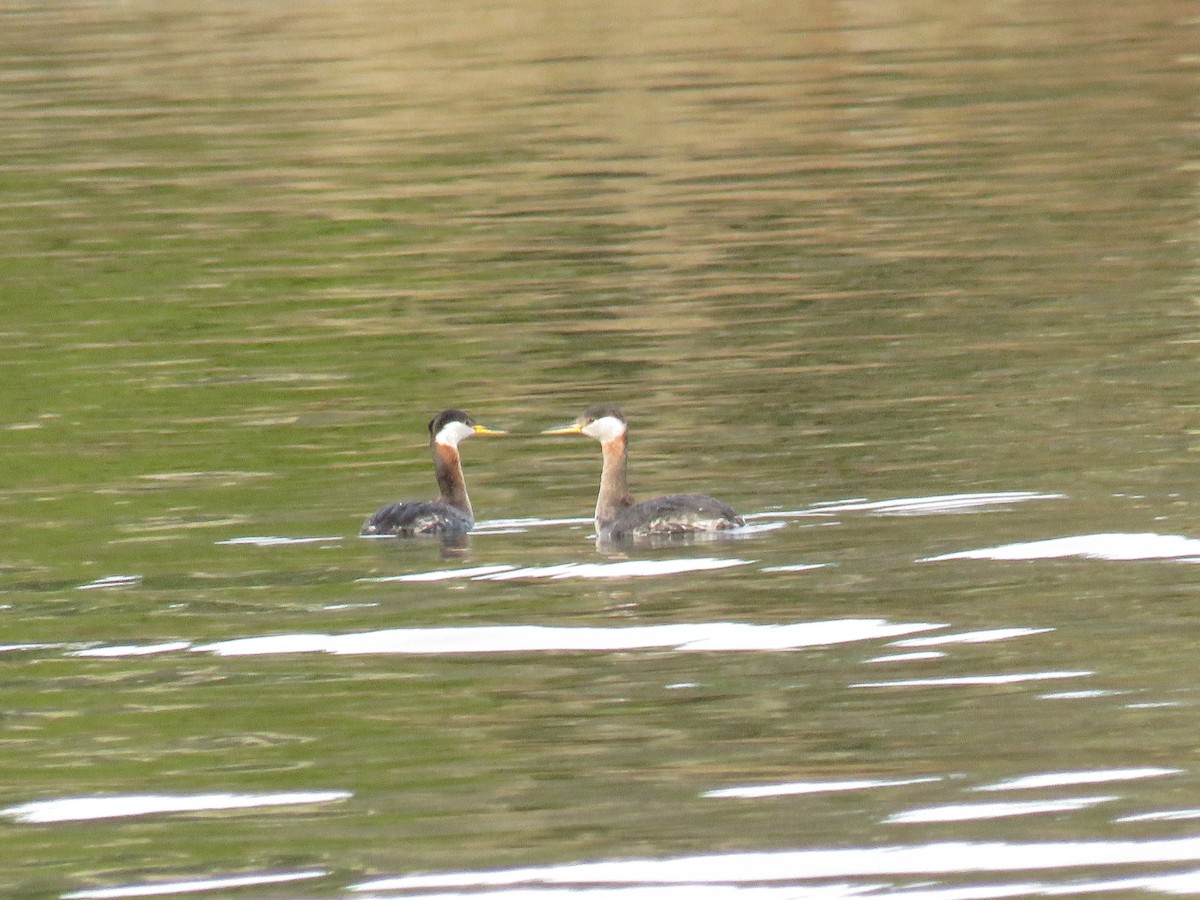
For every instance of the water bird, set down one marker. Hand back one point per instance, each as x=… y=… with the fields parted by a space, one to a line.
x=617 y=516
x=450 y=514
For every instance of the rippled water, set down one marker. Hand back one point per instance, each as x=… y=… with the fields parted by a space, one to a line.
x=912 y=286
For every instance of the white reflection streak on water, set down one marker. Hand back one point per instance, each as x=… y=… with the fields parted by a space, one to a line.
x=133 y=649
x=706 y=636
x=442 y=574
x=973 y=680
x=668 y=892
x=268 y=541
x=907 y=657
x=1061 y=779
x=935 y=504
x=632 y=568
x=943 y=858
x=1172 y=883
x=971 y=637
x=191 y=887
x=912 y=506
x=969 y=812
x=1081 y=695
x=490 y=524
x=1168 y=815
x=1088 y=546
x=79 y=809
x=795 y=788
x=111 y=581
x=966 y=637
x=13 y=648
x=1156 y=704
x=751 y=530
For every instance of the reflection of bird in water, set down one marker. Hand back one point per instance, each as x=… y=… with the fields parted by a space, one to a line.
x=450 y=513
x=617 y=516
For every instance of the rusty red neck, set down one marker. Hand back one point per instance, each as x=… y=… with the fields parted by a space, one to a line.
x=614 y=482
x=452 y=487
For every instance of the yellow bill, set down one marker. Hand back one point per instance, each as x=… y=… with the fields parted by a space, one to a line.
x=573 y=428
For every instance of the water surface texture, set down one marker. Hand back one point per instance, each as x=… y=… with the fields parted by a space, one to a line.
x=911 y=285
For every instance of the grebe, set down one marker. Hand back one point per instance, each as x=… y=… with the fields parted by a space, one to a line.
x=617 y=516
x=450 y=513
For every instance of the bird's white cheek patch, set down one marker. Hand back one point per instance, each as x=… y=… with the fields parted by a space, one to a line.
x=453 y=432
x=605 y=429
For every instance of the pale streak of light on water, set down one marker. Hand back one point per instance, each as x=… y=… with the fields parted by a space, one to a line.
x=633 y=568
x=1174 y=815
x=924 y=505
x=970 y=812
x=526 y=523
x=269 y=541
x=13 y=648
x=974 y=680
x=443 y=574
x=1174 y=884
x=168 y=888
x=686 y=892
x=78 y=809
x=906 y=657
x=814 y=787
x=970 y=637
x=1089 y=546
x=1062 y=779
x=111 y=581
x=1180 y=883
x=948 y=858
x=626 y=569
x=133 y=649
x=700 y=637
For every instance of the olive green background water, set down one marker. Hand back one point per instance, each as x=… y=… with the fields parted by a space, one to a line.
x=818 y=251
